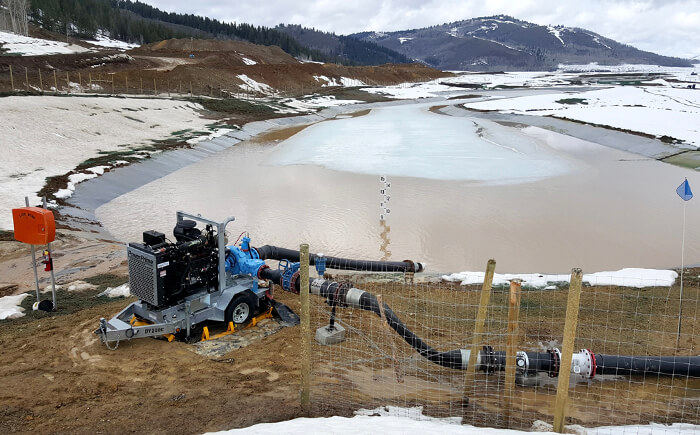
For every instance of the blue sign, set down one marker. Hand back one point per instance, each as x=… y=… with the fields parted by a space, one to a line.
x=684 y=191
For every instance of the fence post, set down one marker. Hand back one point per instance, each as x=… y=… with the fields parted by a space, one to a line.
x=26 y=78
x=41 y=82
x=477 y=339
x=68 y=82
x=155 y=91
x=141 y=81
x=126 y=84
x=305 y=329
x=112 y=83
x=168 y=87
x=80 y=83
x=55 y=81
x=512 y=344
x=12 y=81
x=567 y=348
x=90 y=81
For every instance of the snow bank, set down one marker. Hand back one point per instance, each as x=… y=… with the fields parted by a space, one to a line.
x=659 y=110
x=393 y=420
x=10 y=306
x=116 y=292
x=630 y=277
x=48 y=136
x=248 y=61
x=75 y=286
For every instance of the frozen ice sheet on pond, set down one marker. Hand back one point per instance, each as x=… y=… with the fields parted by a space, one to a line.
x=411 y=141
x=630 y=277
x=10 y=306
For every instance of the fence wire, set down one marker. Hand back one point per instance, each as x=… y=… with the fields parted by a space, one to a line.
x=374 y=367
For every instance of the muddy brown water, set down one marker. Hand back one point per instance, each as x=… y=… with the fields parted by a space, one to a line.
x=615 y=210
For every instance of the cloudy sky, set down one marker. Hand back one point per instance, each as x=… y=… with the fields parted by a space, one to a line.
x=663 y=26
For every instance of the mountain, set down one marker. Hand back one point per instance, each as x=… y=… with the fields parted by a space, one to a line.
x=505 y=43
x=344 y=47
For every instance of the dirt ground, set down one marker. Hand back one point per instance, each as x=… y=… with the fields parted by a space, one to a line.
x=57 y=377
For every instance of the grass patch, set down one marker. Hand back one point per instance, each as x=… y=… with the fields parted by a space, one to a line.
x=7 y=236
x=105 y=280
x=233 y=106
x=573 y=101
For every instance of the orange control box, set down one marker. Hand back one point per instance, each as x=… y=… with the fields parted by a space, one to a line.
x=34 y=225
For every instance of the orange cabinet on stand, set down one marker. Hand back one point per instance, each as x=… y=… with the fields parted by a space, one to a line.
x=34 y=225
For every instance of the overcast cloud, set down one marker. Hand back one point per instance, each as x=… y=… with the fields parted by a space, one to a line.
x=663 y=26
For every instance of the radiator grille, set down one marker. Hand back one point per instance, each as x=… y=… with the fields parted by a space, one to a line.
x=143 y=280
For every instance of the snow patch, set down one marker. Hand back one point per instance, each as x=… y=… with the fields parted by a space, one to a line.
x=402 y=40
x=253 y=86
x=217 y=133
x=102 y=39
x=248 y=61
x=10 y=306
x=27 y=46
x=556 y=31
x=116 y=292
x=630 y=277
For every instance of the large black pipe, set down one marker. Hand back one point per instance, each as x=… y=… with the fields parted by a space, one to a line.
x=268 y=252
x=489 y=360
x=688 y=366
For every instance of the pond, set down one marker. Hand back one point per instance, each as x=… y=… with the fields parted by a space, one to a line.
x=462 y=190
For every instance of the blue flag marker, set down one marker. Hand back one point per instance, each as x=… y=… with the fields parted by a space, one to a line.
x=684 y=191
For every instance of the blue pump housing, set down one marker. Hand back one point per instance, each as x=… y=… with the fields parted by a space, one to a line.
x=243 y=260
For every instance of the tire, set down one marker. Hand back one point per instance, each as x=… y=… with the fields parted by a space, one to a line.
x=241 y=309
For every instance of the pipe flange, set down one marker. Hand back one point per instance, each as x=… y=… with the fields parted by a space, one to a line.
x=489 y=363
x=555 y=356
x=293 y=283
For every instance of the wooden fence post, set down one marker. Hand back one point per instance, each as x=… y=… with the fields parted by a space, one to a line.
x=305 y=329
x=26 y=78
x=112 y=83
x=155 y=91
x=90 y=81
x=68 y=82
x=168 y=87
x=55 y=81
x=12 y=81
x=567 y=349
x=41 y=82
x=141 y=81
x=80 y=82
x=126 y=84
x=478 y=337
x=512 y=344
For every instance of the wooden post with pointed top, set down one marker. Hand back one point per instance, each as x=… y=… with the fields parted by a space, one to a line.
x=512 y=345
x=305 y=329
x=478 y=338
x=12 y=81
x=567 y=349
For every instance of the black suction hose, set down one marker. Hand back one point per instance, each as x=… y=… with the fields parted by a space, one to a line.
x=268 y=252
x=490 y=360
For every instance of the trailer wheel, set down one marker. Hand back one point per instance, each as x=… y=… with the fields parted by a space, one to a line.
x=240 y=310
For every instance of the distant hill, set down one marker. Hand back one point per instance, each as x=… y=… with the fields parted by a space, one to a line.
x=344 y=47
x=137 y=22
x=505 y=43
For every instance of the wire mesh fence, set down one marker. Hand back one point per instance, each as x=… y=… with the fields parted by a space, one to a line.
x=629 y=365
